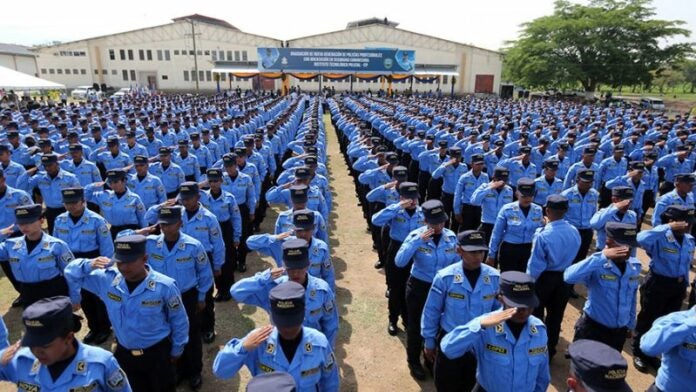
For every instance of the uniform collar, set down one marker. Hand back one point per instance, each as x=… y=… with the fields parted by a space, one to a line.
x=273 y=349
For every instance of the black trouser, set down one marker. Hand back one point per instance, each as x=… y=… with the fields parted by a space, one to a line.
x=471 y=218
x=117 y=229
x=514 y=257
x=585 y=242
x=191 y=361
x=416 y=294
x=454 y=375
x=586 y=328
x=208 y=314
x=93 y=207
x=149 y=369
x=376 y=231
x=487 y=229
x=92 y=306
x=51 y=215
x=478 y=388
x=32 y=292
x=263 y=204
x=659 y=295
x=553 y=294
x=396 y=282
x=666 y=187
x=172 y=195
x=226 y=278
x=648 y=202
x=604 y=196
x=435 y=189
x=423 y=181
x=448 y=203
x=362 y=191
x=413 y=170
x=246 y=232
x=654 y=388
x=384 y=244
x=692 y=296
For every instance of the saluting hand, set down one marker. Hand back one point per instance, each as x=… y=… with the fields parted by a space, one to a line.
x=7 y=230
x=283 y=235
x=496 y=318
x=10 y=352
x=100 y=262
x=496 y=184
x=277 y=272
x=425 y=237
x=257 y=337
x=678 y=225
x=619 y=252
x=390 y=185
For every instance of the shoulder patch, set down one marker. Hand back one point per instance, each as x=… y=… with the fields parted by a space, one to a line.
x=151 y=284
x=174 y=302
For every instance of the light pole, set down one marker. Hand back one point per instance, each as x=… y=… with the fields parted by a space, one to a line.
x=195 y=53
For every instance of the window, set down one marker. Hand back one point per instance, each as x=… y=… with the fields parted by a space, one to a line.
x=59 y=71
x=43 y=71
x=75 y=71
x=229 y=55
x=114 y=72
x=141 y=54
x=122 y=54
x=132 y=72
x=112 y=54
x=236 y=55
x=125 y=75
x=214 y=55
x=176 y=53
x=130 y=54
x=201 y=76
x=207 y=53
x=165 y=77
x=444 y=79
x=84 y=72
x=159 y=55
x=207 y=76
x=223 y=77
x=149 y=55
x=67 y=71
x=244 y=55
x=51 y=71
x=96 y=72
x=221 y=55
x=186 y=76
x=194 y=76
x=200 y=52
x=190 y=52
x=104 y=72
x=167 y=56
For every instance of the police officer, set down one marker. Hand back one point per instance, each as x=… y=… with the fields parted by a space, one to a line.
x=674 y=338
x=671 y=251
x=49 y=183
x=145 y=310
x=170 y=173
x=52 y=358
x=87 y=235
x=511 y=239
x=594 y=366
x=316 y=201
x=450 y=172
x=275 y=381
x=466 y=214
x=401 y=218
x=122 y=208
x=610 y=168
x=275 y=347
x=491 y=197
x=202 y=225
x=224 y=206
x=114 y=158
x=183 y=258
x=37 y=259
x=612 y=278
x=548 y=184
x=681 y=195
x=244 y=191
x=298 y=198
x=554 y=247
x=618 y=211
x=187 y=162
x=11 y=168
x=147 y=186
x=509 y=344
x=460 y=292
x=321 y=312
x=431 y=247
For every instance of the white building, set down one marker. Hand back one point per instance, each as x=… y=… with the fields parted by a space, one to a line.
x=18 y=58
x=163 y=57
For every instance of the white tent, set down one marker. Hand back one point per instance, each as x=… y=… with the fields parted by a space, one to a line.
x=14 y=80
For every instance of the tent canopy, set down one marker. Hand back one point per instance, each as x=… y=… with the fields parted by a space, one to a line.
x=14 y=80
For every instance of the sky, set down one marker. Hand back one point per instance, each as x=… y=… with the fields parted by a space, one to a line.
x=487 y=23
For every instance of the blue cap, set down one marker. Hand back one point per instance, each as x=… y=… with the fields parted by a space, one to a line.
x=27 y=213
x=129 y=248
x=600 y=367
x=302 y=173
x=274 y=381
x=295 y=253
x=188 y=190
x=298 y=193
x=526 y=186
x=229 y=159
x=557 y=202
x=303 y=219
x=472 y=241
x=408 y=190
x=169 y=215
x=517 y=289
x=47 y=319
x=287 y=304
x=214 y=174
x=72 y=195
x=434 y=212
x=623 y=233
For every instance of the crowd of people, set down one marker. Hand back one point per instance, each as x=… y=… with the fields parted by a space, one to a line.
x=482 y=213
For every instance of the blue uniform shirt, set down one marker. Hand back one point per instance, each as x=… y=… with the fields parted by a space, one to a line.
x=142 y=318
x=172 y=177
x=320 y=302
x=518 y=170
x=542 y=189
x=50 y=188
x=284 y=223
x=150 y=189
x=674 y=337
x=638 y=191
x=383 y=195
x=512 y=226
x=189 y=165
x=668 y=256
x=491 y=201
x=609 y=214
x=85 y=171
x=92 y=369
x=400 y=222
x=668 y=199
x=452 y=302
x=243 y=189
x=118 y=211
x=313 y=367
x=12 y=198
x=572 y=175
x=428 y=257
x=554 y=247
x=673 y=165
x=612 y=296
x=505 y=364
x=580 y=208
x=224 y=207
x=109 y=161
x=450 y=175
x=204 y=227
x=12 y=173
x=610 y=169
x=466 y=185
x=315 y=200
x=88 y=234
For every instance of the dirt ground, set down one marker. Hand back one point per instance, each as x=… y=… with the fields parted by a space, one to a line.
x=369 y=359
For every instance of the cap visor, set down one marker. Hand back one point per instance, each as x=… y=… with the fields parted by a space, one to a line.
x=629 y=243
x=529 y=302
x=436 y=220
x=287 y=321
x=23 y=221
x=414 y=195
x=166 y=221
x=121 y=258
x=304 y=227
x=527 y=194
x=473 y=248
x=621 y=388
x=37 y=339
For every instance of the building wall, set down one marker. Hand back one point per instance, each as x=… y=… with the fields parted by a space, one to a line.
x=24 y=64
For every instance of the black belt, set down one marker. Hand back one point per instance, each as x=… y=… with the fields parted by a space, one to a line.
x=141 y=351
x=87 y=255
x=665 y=279
x=597 y=324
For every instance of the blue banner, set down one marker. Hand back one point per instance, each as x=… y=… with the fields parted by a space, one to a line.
x=384 y=61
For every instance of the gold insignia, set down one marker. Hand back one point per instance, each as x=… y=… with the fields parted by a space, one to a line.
x=35 y=366
x=285 y=304
x=308 y=347
x=499 y=328
x=270 y=348
x=496 y=349
x=33 y=323
x=533 y=329
x=151 y=284
x=457 y=278
x=81 y=365
x=486 y=279
x=312 y=293
x=25 y=386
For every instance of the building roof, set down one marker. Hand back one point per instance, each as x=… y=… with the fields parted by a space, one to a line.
x=206 y=19
x=18 y=50
x=371 y=21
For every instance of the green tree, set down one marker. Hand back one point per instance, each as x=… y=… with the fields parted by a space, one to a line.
x=608 y=42
x=688 y=68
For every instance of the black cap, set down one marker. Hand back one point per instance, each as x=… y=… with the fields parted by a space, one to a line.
x=586 y=175
x=589 y=151
x=557 y=202
x=169 y=215
x=434 y=212
x=622 y=192
x=517 y=289
x=195 y=136
x=685 y=177
x=408 y=190
x=112 y=140
x=499 y=143
x=274 y=381
x=129 y=248
x=295 y=253
x=563 y=145
x=391 y=158
x=72 y=195
x=380 y=149
x=472 y=241
x=600 y=367
x=303 y=219
x=477 y=158
x=619 y=148
x=48 y=159
x=287 y=304
x=188 y=190
x=526 y=186
x=298 y=193
x=75 y=147
x=302 y=173
x=27 y=213
x=165 y=151
x=525 y=150
x=4 y=148
x=44 y=143
x=183 y=143
x=455 y=152
x=501 y=173
x=47 y=319
x=310 y=160
x=551 y=164
x=140 y=160
x=636 y=165
x=241 y=152
x=115 y=174
x=214 y=174
x=623 y=233
x=229 y=159
x=442 y=143
x=678 y=212
x=400 y=173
